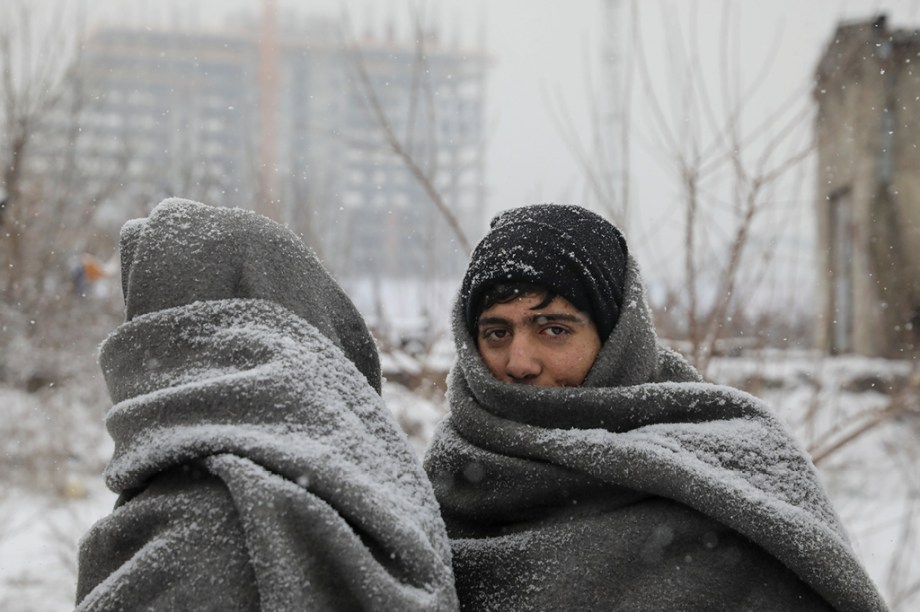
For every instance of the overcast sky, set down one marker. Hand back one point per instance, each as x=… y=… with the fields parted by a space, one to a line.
x=546 y=52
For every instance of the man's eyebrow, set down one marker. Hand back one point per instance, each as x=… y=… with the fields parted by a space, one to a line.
x=559 y=316
x=493 y=321
x=534 y=318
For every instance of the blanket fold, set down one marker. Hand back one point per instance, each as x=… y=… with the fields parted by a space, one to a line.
x=643 y=489
x=257 y=465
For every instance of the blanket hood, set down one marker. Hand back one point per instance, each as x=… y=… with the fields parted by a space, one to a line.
x=236 y=253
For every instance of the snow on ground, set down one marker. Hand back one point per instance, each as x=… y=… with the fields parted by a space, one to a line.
x=47 y=503
x=38 y=545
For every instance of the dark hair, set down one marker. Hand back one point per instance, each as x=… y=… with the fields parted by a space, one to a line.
x=502 y=293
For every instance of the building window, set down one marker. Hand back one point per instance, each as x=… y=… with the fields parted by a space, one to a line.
x=841 y=259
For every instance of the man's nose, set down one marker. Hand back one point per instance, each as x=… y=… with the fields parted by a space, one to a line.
x=523 y=362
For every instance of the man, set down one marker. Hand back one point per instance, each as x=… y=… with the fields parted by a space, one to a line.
x=583 y=467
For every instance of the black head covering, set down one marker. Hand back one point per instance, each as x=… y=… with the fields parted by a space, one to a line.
x=568 y=249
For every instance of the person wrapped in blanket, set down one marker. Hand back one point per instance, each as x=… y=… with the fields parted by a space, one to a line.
x=256 y=464
x=584 y=467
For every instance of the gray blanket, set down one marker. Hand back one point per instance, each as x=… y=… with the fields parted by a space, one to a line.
x=257 y=464
x=644 y=489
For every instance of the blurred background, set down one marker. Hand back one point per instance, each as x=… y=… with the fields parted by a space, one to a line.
x=760 y=157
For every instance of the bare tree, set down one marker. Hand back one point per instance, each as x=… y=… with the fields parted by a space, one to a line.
x=407 y=103
x=418 y=148
x=32 y=83
x=50 y=195
x=729 y=168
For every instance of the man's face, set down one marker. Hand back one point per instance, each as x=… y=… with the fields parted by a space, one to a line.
x=554 y=346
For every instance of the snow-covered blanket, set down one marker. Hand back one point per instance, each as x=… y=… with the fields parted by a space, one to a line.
x=644 y=489
x=257 y=464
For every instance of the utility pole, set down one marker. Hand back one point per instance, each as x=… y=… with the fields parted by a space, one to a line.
x=613 y=140
x=269 y=77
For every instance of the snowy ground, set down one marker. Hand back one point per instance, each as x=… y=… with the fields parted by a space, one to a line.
x=52 y=447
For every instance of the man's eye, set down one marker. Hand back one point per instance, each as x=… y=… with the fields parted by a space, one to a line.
x=495 y=334
x=556 y=331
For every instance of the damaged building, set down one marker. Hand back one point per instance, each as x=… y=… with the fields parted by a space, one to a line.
x=867 y=129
